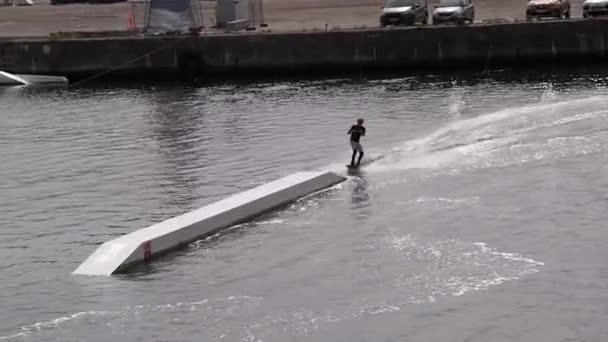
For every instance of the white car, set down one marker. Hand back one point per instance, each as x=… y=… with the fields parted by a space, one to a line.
x=595 y=8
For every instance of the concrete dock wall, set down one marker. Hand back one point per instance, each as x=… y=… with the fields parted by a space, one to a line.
x=572 y=41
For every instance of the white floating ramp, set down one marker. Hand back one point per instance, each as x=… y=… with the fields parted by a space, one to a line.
x=8 y=79
x=145 y=244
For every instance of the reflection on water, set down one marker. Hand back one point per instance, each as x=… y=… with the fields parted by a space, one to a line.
x=359 y=190
x=175 y=124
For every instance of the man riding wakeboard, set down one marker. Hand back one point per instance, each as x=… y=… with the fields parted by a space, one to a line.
x=356 y=132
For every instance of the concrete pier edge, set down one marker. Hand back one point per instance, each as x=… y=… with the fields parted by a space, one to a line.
x=146 y=244
x=268 y=53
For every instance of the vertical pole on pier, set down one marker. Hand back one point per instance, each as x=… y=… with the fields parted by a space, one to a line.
x=250 y=10
x=147 y=9
x=131 y=18
x=262 y=23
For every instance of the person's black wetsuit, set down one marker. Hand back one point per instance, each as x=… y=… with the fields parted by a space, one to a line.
x=356 y=131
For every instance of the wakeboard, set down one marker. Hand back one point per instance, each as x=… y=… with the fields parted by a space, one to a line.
x=364 y=163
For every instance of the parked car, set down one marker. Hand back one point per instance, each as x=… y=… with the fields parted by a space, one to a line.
x=64 y=2
x=404 y=12
x=595 y=8
x=537 y=9
x=458 y=11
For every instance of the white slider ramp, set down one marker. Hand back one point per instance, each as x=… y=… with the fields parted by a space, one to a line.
x=8 y=79
x=146 y=244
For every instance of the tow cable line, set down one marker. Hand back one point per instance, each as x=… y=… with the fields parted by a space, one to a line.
x=166 y=46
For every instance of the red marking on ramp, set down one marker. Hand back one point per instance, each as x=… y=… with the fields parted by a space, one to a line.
x=147 y=250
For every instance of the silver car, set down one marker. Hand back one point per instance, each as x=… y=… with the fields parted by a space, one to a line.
x=457 y=11
x=404 y=12
x=595 y=8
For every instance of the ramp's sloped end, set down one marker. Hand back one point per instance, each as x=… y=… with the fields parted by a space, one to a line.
x=148 y=243
x=10 y=79
x=106 y=259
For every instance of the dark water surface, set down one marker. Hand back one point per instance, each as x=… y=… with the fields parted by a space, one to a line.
x=486 y=220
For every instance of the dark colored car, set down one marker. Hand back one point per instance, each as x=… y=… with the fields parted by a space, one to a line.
x=537 y=9
x=404 y=12
x=458 y=11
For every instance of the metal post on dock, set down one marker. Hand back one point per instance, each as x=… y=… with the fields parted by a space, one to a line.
x=250 y=9
x=262 y=23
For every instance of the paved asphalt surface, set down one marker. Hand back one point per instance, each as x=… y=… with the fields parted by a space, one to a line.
x=280 y=15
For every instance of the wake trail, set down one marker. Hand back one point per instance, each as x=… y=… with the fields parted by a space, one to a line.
x=472 y=141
